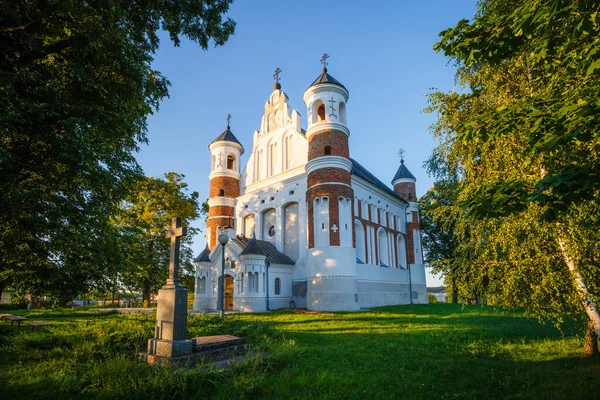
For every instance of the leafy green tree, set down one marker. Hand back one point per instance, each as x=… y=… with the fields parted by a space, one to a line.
x=143 y=221
x=522 y=137
x=439 y=233
x=76 y=88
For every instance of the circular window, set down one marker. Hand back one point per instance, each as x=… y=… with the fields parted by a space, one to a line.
x=272 y=231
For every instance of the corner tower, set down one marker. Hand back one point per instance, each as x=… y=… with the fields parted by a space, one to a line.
x=224 y=177
x=331 y=257
x=404 y=183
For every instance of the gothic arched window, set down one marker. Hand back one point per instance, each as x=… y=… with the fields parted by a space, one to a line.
x=277 y=286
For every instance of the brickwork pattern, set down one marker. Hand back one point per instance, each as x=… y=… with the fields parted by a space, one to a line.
x=330 y=174
x=406 y=190
x=332 y=191
x=390 y=231
x=336 y=140
x=230 y=186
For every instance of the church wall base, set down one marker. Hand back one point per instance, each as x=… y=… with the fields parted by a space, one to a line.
x=421 y=293
x=299 y=289
x=332 y=294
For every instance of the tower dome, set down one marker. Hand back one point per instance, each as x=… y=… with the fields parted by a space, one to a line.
x=326 y=100
x=404 y=182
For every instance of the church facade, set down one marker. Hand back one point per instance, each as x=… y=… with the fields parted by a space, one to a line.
x=309 y=227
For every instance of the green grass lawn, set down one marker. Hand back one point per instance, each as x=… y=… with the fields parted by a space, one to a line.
x=414 y=352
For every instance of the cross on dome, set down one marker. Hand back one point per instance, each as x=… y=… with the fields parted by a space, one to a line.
x=401 y=154
x=228 y=120
x=276 y=76
x=324 y=61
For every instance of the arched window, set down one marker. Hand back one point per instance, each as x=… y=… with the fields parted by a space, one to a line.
x=277 y=286
x=342 y=113
x=201 y=285
x=321 y=112
x=230 y=161
x=288 y=152
x=273 y=159
x=250 y=282
x=327 y=150
x=269 y=225
x=242 y=285
x=259 y=161
x=361 y=254
x=256 y=282
x=382 y=244
x=221 y=192
x=249 y=222
x=401 y=245
x=214 y=161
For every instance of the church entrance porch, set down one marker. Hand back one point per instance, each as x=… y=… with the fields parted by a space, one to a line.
x=227 y=293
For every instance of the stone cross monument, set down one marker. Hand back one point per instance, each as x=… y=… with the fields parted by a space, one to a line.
x=171 y=314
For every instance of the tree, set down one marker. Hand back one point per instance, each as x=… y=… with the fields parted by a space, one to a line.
x=143 y=221
x=76 y=86
x=439 y=233
x=523 y=139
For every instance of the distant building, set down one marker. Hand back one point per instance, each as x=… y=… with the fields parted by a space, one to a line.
x=309 y=226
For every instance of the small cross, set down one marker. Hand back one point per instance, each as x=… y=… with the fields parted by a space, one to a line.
x=228 y=119
x=401 y=154
x=175 y=234
x=334 y=228
x=220 y=159
x=324 y=60
x=332 y=102
x=276 y=74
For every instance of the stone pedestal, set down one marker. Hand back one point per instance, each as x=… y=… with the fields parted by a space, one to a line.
x=171 y=323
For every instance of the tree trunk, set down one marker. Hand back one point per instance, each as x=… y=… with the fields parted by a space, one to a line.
x=146 y=297
x=588 y=304
x=590 y=348
x=454 y=290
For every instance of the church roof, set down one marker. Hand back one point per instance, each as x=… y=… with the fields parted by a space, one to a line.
x=203 y=257
x=362 y=172
x=262 y=247
x=326 y=78
x=226 y=136
x=403 y=173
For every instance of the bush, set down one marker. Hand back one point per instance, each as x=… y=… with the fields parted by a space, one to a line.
x=431 y=298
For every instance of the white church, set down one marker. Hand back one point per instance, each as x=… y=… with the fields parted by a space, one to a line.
x=309 y=227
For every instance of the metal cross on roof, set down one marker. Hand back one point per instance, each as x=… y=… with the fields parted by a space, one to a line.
x=324 y=60
x=401 y=154
x=228 y=119
x=175 y=234
x=276 y=74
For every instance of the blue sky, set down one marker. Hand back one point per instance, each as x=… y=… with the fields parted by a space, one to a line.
x=380 y=50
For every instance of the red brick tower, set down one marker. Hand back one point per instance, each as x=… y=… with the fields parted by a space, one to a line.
x=224 y=177
x=331 y=258
x=404 y=183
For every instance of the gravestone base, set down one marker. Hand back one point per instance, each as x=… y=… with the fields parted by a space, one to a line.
x=171 y=317
x=169 y=348
x=222 y=349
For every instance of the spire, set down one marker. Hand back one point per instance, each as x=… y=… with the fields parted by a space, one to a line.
x=203 y=257
x=227 y=135
x=254 y=247
x=403 y=172
x=325 y=77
